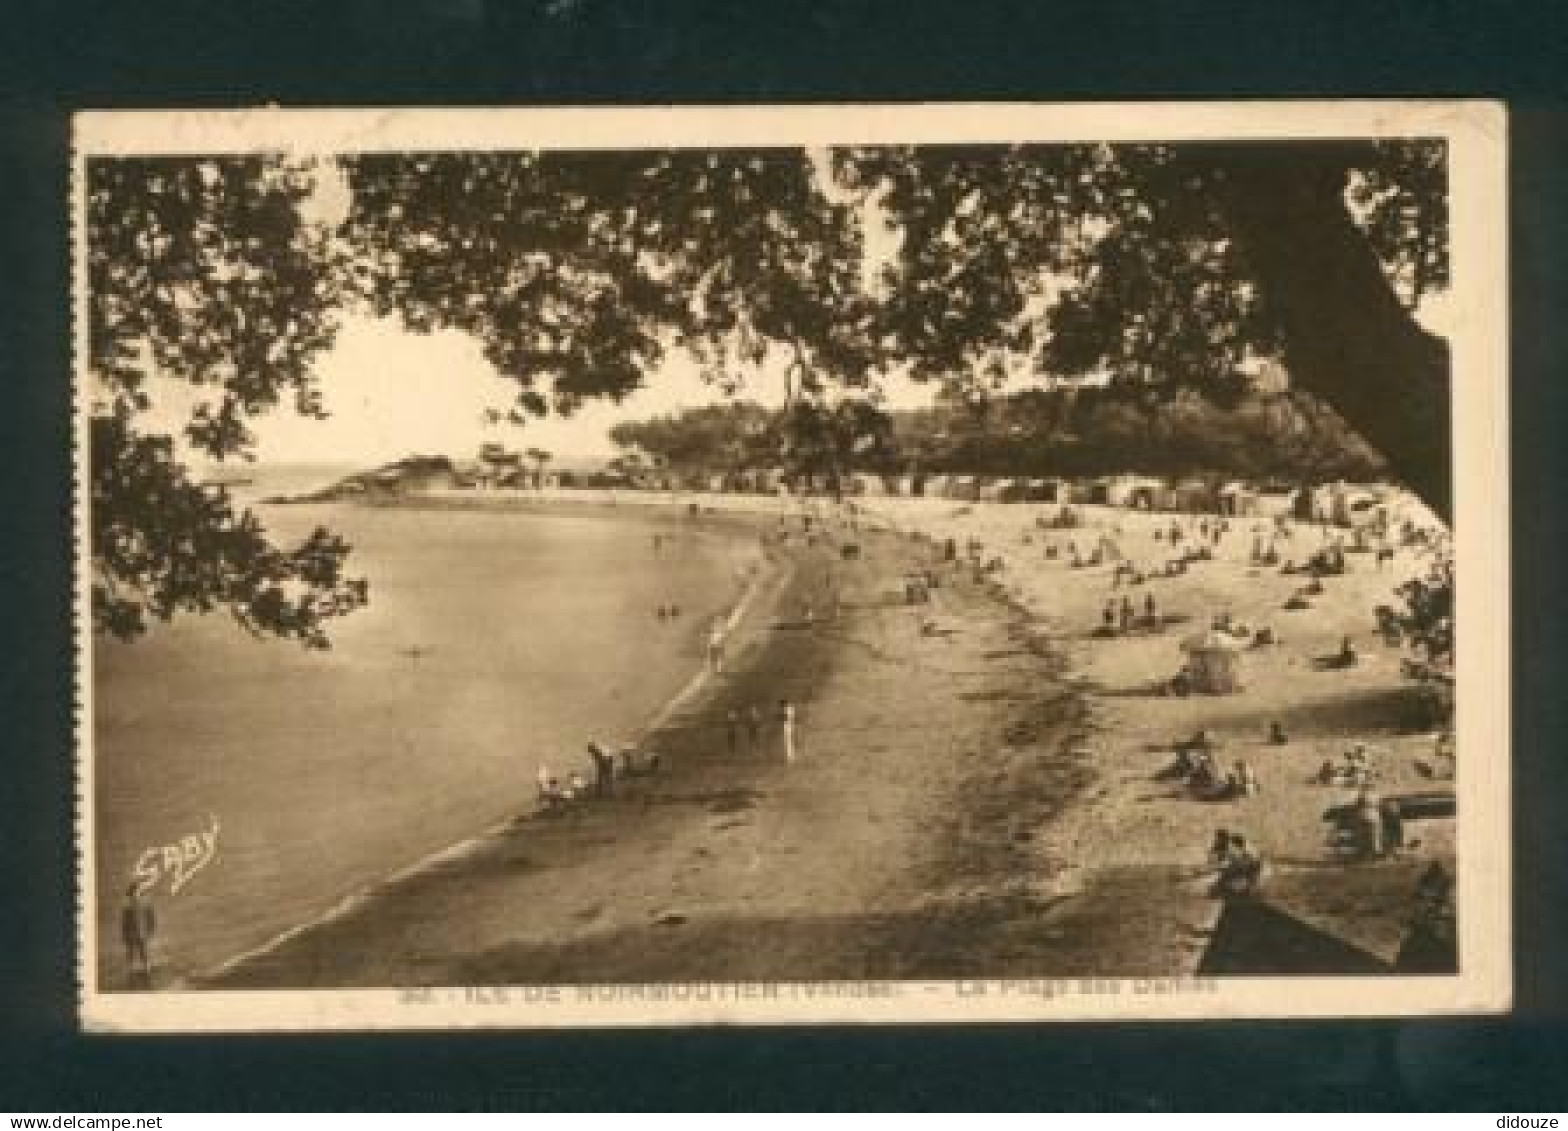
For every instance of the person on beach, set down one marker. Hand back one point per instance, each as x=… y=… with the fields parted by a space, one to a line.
x=603 y=769
x=552 y=798
x=1219 y=849
x=1129 y=614
x=1150 y=610
x=1368 y=824
x=787 y=728
x=549 y=789
x=753 y=726
x=732 y=729
x=138 y=924
x=1240 y=870
x=1393 y=819
x=716 y=646
x=1110 y=615
x=1277 y=736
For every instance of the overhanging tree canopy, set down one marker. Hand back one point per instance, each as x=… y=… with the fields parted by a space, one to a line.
x=577 y=272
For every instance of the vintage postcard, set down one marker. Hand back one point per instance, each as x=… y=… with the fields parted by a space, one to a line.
x=839 y=564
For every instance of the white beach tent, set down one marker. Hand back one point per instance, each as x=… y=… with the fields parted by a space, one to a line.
x=1236 y=498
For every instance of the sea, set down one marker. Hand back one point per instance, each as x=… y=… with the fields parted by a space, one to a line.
x=264 y=784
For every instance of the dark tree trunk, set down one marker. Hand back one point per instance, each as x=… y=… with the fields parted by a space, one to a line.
x=1347 y=337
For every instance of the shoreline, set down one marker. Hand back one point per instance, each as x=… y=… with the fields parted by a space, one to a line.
x=837 y=876
x=771 y=573
x=990 y=803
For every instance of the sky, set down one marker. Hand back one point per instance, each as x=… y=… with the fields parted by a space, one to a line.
x=392 y=393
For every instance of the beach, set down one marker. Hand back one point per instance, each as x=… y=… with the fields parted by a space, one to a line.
x=496 y=642
x=875 y=854
x=980 y=787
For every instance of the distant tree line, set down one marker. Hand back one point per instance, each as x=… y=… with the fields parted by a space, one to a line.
x=1236 y=431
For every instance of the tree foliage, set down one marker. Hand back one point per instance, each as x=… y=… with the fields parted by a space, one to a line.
x=1286 y=437
x=1154 y=265
x=1172 y=264
x=204 y=272
x=713 y=438
x=577 y=271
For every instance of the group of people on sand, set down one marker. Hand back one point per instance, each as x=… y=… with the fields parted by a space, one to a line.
x=1123 y=616
x=1197 y=766
x=1239 y=866
x=1371 y=826
x=629 y=762
x=749 y=725
x=556 y=795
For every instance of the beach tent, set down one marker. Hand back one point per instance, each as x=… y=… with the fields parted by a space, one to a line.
x=938 y=486
x=1014 y=491
x=1141 y=492
x=1193 y=494
x=905 y=485
x=1213 y=663
x=990 y=490
x=1357 y=505
x=1085 y=491
x=1237 y=499
x=1128 y=491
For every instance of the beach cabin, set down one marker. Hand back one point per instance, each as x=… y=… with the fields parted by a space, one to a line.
x=1139 y=492
x=1014 y=490
x=1099 y=492
x=1193 y=495
x=1050 y=490
x=1358 y=506
x=1213 y=663
x=965 y=487
x=1237 y=499
x=991 y=490
x=1083 y=492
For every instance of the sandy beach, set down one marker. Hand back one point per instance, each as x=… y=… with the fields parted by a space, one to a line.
x=978 y=788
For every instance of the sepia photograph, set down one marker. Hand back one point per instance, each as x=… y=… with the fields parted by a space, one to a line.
x=671 y=566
